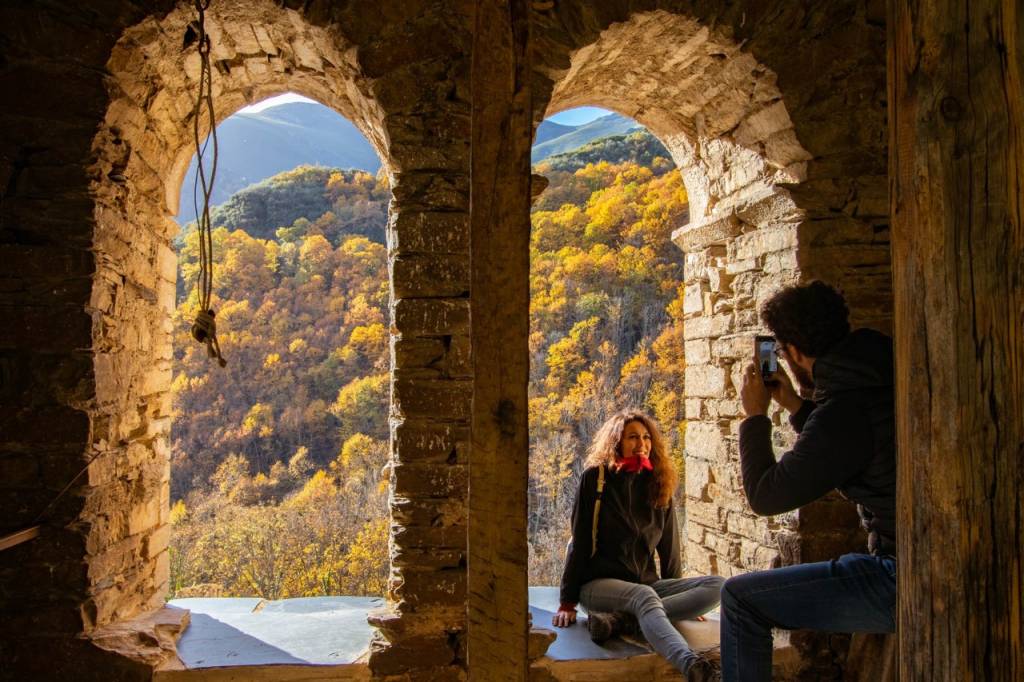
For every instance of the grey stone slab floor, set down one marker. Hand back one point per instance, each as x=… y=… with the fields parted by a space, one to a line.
x=334 y=631
x=250 y=631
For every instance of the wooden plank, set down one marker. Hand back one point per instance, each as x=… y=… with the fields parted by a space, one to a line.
x=8 y=541
x=956 y=150
x=499 y=305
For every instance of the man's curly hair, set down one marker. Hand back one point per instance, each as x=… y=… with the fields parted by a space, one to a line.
x=811 y=317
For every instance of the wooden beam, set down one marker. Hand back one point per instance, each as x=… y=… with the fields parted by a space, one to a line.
x=499 y=306
x=8 y=541
x=956 y=109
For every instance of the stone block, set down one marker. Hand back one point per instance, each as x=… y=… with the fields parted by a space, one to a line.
x=693 y=408
x=410 y=653
x=719 y=280
x=427 y=587
x=429 y=189
x=429 y=480
x=411 y=231
x=784 y=151
x=705 y=440
x=710 y=231
x=746 y=525
x=701 y=561
x=412 y=352
x=539 y=641
x=707 y=327
x=433 y=276
x=698 y=476
x=459 y=360
x=144 y=515
x=764 y=241
x=428 y=512
x=431 y=316
x=446 y=537
x=430 y=560
x=706 y=381
x=760 y=125
x=693 y=301
x=439 y=399
x=158 y=541
x=780 y=263
x=707 y=514
x=423 y=440
x=734 y=347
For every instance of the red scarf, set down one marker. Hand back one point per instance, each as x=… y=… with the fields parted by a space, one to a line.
x=635 y=464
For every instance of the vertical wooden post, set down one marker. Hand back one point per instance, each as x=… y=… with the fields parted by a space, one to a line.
x=956 y=109
x=499 y=306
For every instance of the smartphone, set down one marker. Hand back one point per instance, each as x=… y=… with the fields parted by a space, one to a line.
x=767 y=361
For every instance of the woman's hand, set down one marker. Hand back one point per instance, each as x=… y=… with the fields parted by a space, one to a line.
x=564 y=618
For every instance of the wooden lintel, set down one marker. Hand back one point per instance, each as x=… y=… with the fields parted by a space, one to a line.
x=8 y=541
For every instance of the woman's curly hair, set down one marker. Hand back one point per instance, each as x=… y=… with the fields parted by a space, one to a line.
x=812 y=317
x=605 y=450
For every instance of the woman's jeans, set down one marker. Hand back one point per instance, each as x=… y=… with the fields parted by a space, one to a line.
x=655 y=606
x=855 y=593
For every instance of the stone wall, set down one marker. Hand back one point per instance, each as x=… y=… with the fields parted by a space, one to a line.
x=88 y=221
x=786 y=179
x=785 y=175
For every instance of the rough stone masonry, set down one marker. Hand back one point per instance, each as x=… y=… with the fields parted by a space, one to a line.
x=786 y=176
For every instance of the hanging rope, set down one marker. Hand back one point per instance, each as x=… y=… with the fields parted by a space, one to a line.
x=204 y=329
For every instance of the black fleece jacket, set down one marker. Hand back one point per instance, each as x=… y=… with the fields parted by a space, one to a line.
x=630 y=529
x=847 y=441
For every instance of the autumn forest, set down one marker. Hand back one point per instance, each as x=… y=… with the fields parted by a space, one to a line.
x=279 y=461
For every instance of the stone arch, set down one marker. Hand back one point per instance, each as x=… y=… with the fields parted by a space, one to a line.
x=143 y=149
x=408 y=99
x=787 y=183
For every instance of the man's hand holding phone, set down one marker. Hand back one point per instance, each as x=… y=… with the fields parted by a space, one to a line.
x=764 y=380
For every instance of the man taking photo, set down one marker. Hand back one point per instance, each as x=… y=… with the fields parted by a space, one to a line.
x=846 y=441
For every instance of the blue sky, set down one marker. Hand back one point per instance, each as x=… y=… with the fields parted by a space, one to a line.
x=274 y=101
x=569 y=117
x=578 y=116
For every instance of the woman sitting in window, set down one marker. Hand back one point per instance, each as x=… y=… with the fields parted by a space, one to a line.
x=622 y=514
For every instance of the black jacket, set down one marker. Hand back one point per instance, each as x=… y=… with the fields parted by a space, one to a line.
x=630 y=529
x=847 y=441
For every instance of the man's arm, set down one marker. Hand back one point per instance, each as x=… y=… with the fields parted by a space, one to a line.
x=799 y=418
x=832 y=447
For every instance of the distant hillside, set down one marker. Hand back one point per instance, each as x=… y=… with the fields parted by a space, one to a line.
x=612 y=124
x=257 y=147
x=639 y=147
x=549 y=130
x=338 y=201
x=254 y=147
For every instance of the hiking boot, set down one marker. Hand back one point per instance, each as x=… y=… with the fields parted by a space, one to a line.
x=703 y=670
x=603 y=626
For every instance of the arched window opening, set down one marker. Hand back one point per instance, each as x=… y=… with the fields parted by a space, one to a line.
x=606 y=312
x=278 y=478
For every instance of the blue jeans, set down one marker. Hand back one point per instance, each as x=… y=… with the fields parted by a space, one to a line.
x=655 y=606
x=855 y=593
